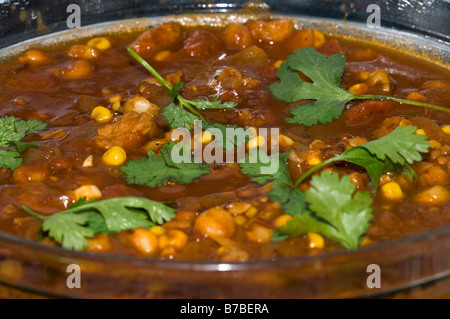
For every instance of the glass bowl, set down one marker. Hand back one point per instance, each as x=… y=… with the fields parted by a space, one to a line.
x=412 y=267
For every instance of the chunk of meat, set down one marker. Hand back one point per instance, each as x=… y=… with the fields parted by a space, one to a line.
x=330 y=47
x=163 y=37
x=41 y=82
x=155 y=93
x=201 y=44
x=232 y=79
x=272 y=31
x=369 y=108
x=130 y=131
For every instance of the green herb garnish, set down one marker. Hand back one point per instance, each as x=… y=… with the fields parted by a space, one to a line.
x=329 y=208
x=12 y=131
x=82 y=220
x=176 y=115
x=334 y=210
x=157 y=170
x=327 y=91
x=391 y=152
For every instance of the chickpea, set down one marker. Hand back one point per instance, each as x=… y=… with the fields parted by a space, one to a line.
x=35 y=57
x=259 y=234
x=237 y=36
x=215 y=222
x=174 y=238
x=99 y=243
x=433 y=195
x=78 y=69
x=144 y=241
x=83 y=52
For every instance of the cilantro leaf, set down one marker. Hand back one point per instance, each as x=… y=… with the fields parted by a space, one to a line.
x=10 y=159
x=400 y=146
x=292 y=200
x=14 y=130
x=329 y=95
x=175 y=89
x=177 y=117
x=69 y=229
x=337 y=212
x=326 y=89
x=391 y=152
x=157 y=170
x=212 y=103
x=82 y=220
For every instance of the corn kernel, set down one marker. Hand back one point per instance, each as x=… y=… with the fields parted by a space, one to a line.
x=414 y=96
x=240 y=220
x=312 y=158
x=319 y=39
x=116 y=106
x=363 y=75
x=115 y=98
x=365 y=242
x=101 y=115
x=434 y=144
x=161 y=56
x=282 y=220
x=392 y=191
x=359 y=89
x=285 y=141
x=87 y=191
x=207 y=137
x=446 y=129
x=251 y=212
x=100 y=43
x=157 y=230
x=315 y=240
x=256 y=142
x=115 y=156
x=278 y=63
x=420 y=131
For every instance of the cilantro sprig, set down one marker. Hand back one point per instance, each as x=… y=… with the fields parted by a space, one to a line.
x=158 y=169
x=176 y=115
x=391 y=152
x=83 y=220
x=12 y=131
x=334 y=210
x=326 y=89
x=330 y=208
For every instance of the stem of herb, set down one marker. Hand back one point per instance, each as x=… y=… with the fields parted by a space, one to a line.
x=316 y=168
x=401 y=101
x=150 y=69
x=29 y=211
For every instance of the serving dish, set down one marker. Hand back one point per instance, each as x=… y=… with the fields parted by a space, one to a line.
x=417 y=266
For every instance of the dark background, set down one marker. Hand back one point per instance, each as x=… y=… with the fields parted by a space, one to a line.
x=19 y=19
